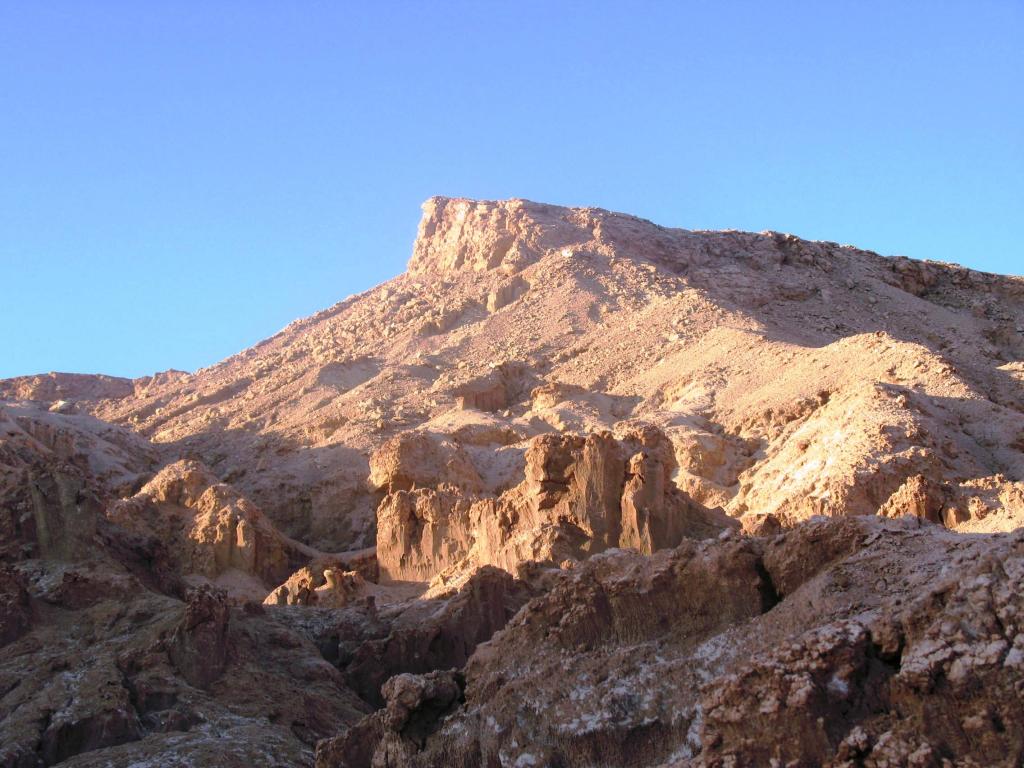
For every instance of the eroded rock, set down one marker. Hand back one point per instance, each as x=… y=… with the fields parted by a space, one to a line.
x=199 y=648
x=579 y=496
x=208 y=528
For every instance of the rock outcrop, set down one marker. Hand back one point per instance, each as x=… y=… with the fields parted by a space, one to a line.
x=745 y=652
x=788 y=374
x=66 y=387
x=199 y=648
x=329 y=587
x=420 y=460
x=415 y=706
x=579 y=496
x=56 y=473
x=441 y=630
x=209 y=530
x=15 y=606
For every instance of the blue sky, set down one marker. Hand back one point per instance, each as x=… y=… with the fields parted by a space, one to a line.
x=180 y=180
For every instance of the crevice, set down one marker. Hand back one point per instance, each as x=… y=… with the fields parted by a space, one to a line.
x=770 y=596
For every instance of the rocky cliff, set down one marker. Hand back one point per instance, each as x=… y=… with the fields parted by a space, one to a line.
x=575 y=489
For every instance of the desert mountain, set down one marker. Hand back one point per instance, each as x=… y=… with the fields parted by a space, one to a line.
x=575 y=489
x=792 y=378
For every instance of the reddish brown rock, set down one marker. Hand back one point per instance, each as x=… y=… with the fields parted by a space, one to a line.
x=698 y=656
x=199 y=648
x=414 y=707
x=440 y=631
x=15 y=606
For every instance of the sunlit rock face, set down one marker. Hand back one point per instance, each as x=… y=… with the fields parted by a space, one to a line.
x=575 y=489
x=579 y=496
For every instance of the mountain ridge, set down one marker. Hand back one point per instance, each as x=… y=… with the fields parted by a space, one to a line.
x=638 y=478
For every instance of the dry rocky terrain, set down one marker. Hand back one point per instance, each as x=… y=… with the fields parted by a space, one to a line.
x=573 y=490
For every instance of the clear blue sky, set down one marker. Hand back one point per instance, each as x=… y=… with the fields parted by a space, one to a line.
x=180 y=180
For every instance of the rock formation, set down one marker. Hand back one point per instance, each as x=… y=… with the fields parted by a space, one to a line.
x=209 y=530
x=740 y=651
x=575 y=489
x=579 y=496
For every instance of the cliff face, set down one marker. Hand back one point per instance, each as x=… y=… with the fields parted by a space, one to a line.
x=579 y=496
x=623 y=435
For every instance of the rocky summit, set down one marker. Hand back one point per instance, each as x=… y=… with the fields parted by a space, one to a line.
x=574 y=490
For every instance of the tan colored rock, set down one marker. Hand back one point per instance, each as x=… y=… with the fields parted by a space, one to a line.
x=54 y=387
x=208 y=527
x=463 y=235
x=724 y=340
x=422 y=532
x=421 y=460
x=918 y=497
x=578 y=497
x=333 y=588
x=486 y=394
x=500 y=388
x=506 y=293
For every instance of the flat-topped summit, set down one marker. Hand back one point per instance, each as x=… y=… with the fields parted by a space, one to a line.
x=476 y=235
x=462 y=235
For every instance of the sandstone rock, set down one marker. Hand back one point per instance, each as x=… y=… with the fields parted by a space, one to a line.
x=415 y=704
x=743 y=652
x=486 y=394
x=421 y=533
x=578 y=497
x=65 y=515
x=501 y=387
x=207 y=526
x=506 y=293
x=332 y=588
x=53 y=387
x=919 y=497
x=808 y=696
x=621 y=305
x=462 y=235
x=419 y=460
x=917 y=693
x=437 y=632
x=105 y=718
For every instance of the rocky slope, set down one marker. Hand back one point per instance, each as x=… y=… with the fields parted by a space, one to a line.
x=576 y=489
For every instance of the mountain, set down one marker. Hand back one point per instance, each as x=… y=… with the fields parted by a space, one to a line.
x=659 y=496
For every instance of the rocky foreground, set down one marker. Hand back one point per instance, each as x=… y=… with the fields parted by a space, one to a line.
x=574 y=490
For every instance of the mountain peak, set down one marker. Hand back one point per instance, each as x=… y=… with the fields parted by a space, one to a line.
x=460 y=234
